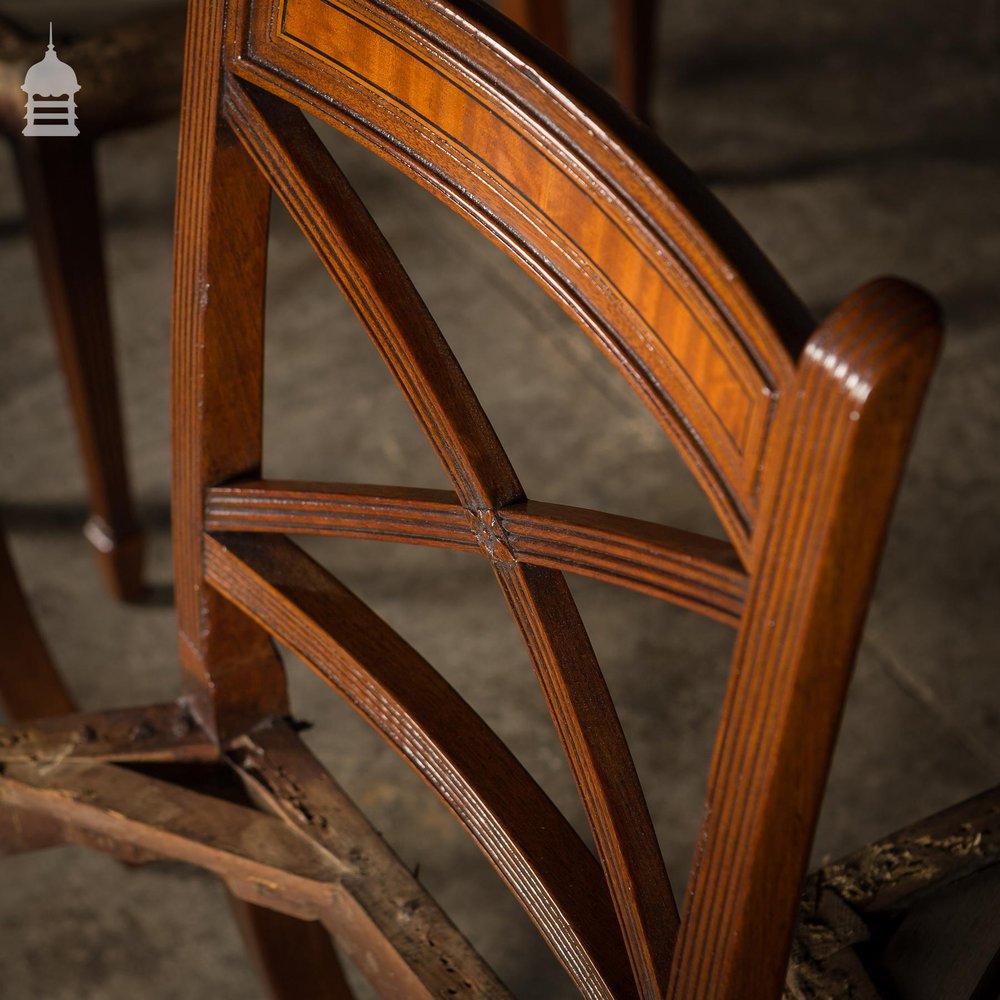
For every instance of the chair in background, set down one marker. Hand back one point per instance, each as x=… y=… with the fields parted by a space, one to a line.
x=130 y=72
x=30 y=686
x=796 y=432
x=635 y=39
x=130 y=67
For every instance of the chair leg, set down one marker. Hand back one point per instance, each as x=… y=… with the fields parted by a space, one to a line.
x=294 y=958
x=30 y=685
x=60 y=191
x=545 y=19
x=635 y=25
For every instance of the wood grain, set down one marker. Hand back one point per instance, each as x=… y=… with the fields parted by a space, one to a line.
x=832 y=474
x=601 y=764
x=153 y=733
x=388 y=924
x=231 y=669
x=358 y=257
x=798 y=437
x=682 y=567
x=463 y=114
x=59 y=185
x=543 y=861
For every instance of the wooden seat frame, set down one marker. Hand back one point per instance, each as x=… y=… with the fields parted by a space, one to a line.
x=796 y=433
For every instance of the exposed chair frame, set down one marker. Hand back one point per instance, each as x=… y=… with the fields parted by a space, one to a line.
x=796 y=433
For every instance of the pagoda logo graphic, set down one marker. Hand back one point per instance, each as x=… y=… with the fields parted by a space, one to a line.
x=50 y=85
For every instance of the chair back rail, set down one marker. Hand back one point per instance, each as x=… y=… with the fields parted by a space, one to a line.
x=797 y=436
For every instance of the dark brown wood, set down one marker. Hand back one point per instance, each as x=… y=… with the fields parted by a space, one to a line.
x=285 y=952
x=635 y=32
x=635 y=38
x=231 y=668
x=798 y=437
x=693 y=570
x=533 y=848
x=131 y=75
x=545 y=19
x=859 y=387
x=358 y=257
x=599 y=758
x=232 y=673
x=30 y=685
x=60 y=191
x=389 y=926
x=682 y=567
x=594 y=226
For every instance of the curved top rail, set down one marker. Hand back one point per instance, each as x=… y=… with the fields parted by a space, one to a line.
x=572 y=188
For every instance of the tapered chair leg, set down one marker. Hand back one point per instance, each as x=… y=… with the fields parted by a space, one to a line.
x=294 y=958
x=634 y=27
x=60 y=191
x=545 y=19
x=30 y=685
x=635 y=24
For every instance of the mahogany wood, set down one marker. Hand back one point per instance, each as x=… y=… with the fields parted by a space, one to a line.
x=601 y=764
x=545 y=19
x=634 y=30
x=60 y=190
x=685 y=568
x=797 y=435
x=360 y=260
x=230 y=666
x=357 y=257
x=30 y=685
x=331 y=867
x=860 y=383
x=535 y=850
x=131 y=75
x=635 y=38
x=628 y=262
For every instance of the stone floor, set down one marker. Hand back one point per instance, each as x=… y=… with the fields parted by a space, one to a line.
x=852 y=140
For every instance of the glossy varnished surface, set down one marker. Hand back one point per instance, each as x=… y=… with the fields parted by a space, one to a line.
x=678 y=566
x=564 y=198
x=798 y=439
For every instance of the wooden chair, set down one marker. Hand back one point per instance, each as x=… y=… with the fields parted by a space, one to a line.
x=634 y=42
x=294 y=959
x=130 y=72
x=796 y=432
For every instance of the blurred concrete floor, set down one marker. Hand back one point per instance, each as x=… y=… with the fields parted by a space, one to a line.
x=852 y=140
